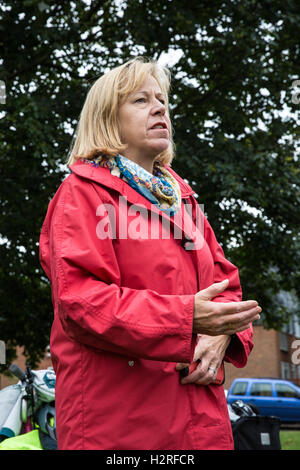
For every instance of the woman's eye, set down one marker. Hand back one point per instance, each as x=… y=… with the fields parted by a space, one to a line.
x=143 y=100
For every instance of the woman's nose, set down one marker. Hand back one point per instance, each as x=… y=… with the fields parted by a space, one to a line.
x=159 y=108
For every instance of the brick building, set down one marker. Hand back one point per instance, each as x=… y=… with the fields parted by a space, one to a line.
x=275 y=354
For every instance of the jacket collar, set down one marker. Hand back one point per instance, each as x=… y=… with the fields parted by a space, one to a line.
x=104 y=177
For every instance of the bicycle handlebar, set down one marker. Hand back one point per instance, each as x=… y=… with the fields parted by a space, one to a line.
x=14 y=369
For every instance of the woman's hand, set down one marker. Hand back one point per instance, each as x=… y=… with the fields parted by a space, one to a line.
x=209 y=351
x=222 y=318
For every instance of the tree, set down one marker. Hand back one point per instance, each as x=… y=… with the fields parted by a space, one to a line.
x=236 y=63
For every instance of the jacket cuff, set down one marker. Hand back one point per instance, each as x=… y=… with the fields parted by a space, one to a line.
x=238 y=350
x=191 y=338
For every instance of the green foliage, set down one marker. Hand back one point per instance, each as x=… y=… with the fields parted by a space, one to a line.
x=233 y=77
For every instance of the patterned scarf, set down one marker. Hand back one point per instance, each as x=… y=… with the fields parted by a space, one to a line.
x=161 y=188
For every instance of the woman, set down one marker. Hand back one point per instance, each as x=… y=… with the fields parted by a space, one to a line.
x=140 y=286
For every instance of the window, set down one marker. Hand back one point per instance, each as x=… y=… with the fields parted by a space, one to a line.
x=284 y=390
x=283 y=341
x=239 y=388
x=285 y=370
x=297 y=326
x=261 y=389
x=291 y=326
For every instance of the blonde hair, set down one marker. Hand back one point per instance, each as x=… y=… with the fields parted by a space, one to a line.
x=97 y=132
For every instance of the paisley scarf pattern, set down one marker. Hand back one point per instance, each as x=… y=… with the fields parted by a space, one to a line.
x=160 y=188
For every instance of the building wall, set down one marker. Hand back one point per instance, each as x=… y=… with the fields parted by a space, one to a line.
x=271 y=356
x=264 y=360
x=290 y=357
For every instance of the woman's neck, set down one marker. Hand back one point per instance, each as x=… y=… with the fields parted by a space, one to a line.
x=146 y=163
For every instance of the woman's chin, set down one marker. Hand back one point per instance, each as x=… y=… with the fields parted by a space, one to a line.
x=159 y=147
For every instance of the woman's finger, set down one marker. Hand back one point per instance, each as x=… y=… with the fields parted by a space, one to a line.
x=236 y=307
x=217 y=318
x=213 y=290
x=193 y=376
x=241 y=322
x=210 y=374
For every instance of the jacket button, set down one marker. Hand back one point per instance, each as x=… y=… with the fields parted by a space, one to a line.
x=131 y=363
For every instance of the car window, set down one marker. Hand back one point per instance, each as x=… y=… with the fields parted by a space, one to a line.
x=261 y=389
x=239 y=388
x=284 y=390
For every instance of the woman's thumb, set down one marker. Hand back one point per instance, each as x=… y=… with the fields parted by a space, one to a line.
x=213 y=290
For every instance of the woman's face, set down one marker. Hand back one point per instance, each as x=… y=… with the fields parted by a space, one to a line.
x=144 y=123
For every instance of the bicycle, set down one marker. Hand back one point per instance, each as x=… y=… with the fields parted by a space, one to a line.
x=28 y=408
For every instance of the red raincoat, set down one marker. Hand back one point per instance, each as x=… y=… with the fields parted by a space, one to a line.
x=123 y=304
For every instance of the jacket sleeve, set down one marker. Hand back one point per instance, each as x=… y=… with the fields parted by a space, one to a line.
x=93 y=306
x=241 y=343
